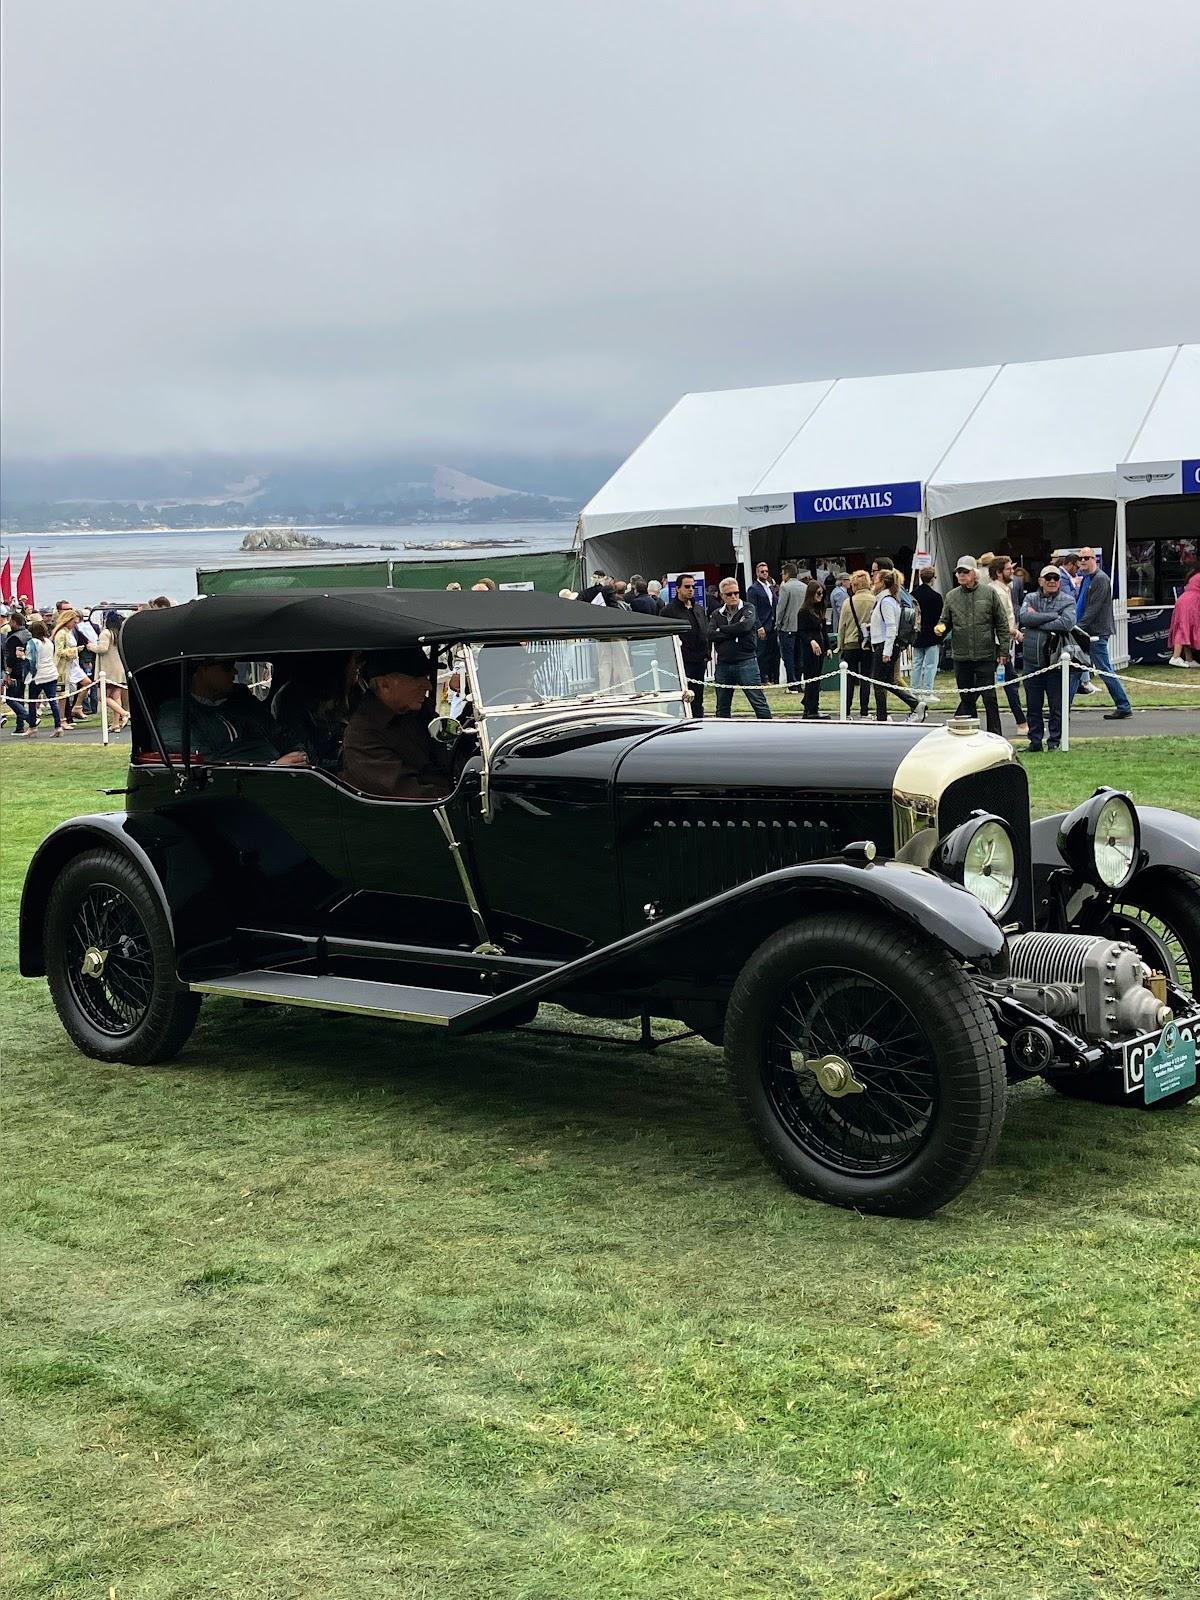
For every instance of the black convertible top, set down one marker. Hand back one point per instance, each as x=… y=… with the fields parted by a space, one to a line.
x=258 y=626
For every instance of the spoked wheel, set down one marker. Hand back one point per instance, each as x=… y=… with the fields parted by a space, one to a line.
x=867 y=1064
x=1159 y=914
x=110 y=963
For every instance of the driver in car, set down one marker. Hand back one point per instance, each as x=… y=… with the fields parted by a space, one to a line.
x=225 y=721
x=387 y=750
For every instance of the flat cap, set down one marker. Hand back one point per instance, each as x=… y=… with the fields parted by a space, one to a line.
x=412 y=662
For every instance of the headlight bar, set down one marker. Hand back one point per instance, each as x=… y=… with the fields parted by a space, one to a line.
x=1102 y=839
x=981 y=855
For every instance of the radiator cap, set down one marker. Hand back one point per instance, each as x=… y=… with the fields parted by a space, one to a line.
x=962 y=726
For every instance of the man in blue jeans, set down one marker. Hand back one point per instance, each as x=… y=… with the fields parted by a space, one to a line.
x=733 y=629
x=1094 y=613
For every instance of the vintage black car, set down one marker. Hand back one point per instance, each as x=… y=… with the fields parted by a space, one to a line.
x=863 y=916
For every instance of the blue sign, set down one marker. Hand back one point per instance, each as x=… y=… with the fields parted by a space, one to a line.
x=864 y=500
x=1191 y=477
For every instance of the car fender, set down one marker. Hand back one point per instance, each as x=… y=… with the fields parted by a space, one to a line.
x=736 y=921
x=1169 y=839
x=163 y=853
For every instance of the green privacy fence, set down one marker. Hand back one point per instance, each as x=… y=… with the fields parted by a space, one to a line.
x=549 y=571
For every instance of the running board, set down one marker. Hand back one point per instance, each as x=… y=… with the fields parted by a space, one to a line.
x=358 y=995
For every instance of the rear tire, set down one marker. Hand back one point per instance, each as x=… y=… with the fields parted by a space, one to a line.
x=110 y=963
x=1160 y=914
x=905 y=1017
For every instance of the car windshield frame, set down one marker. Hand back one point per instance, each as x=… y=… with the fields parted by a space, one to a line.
x=611 y=696
x=495 y=725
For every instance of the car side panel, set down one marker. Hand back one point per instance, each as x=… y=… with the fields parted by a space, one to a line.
x=725 y=930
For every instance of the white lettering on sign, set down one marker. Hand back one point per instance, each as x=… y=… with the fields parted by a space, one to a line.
x=875 y=501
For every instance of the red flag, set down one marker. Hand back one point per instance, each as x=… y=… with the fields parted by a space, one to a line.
x=6 y=581
x=25 y=580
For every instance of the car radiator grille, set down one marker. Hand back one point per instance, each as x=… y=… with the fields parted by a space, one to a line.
x=701 y=855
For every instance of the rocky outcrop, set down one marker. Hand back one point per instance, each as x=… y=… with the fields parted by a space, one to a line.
x=293 y=539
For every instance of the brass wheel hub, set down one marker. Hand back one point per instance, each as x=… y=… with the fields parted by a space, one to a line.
x=834 y=1074
x=93 y=962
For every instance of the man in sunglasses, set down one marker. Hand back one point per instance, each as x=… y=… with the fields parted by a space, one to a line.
x=695 y=646
x=733 y=628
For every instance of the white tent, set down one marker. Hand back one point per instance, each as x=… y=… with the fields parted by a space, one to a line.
x=971 y=437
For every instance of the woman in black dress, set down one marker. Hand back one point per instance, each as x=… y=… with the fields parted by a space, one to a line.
x=812 y=648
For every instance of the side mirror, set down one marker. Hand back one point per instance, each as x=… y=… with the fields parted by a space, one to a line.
x=445 y=730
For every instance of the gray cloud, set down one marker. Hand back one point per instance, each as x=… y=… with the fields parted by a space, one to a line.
x=284 y=225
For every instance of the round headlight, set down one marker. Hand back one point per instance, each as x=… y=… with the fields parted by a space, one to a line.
x=1101 y=839
x=1115 y=842
x=980 y=855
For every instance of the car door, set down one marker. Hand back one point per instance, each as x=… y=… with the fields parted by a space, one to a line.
x=404 y=885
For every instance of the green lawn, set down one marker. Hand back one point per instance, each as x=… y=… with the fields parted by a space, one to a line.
x=328 y=1308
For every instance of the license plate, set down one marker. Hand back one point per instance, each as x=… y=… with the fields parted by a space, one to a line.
x=1170 y=1069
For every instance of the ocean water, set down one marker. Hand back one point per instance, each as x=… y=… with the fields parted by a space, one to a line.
x=122 y=567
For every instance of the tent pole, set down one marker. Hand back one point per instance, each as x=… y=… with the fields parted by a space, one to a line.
x=1120 y=580
x=741 y=555
x=922 y=545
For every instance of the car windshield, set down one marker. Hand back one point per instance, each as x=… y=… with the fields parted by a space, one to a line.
x=571 y=672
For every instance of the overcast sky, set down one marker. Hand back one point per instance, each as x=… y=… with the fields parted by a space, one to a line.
x=296 y=225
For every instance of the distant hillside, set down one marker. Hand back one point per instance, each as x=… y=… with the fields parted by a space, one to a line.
x=259 y=488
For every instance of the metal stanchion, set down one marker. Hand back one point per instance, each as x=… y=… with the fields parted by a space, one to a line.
x=1065 y=691
x=843 y=691
x=102 y=683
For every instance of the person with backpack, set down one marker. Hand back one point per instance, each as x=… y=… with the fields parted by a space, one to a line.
x=974 y=617
x=884 y=634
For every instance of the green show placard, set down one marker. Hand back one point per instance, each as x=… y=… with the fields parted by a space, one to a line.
x=1171 y=1066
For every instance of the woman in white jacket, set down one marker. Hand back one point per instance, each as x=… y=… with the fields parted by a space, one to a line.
x=885 y=619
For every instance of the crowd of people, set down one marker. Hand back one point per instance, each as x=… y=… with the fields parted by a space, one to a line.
x=53 y=664
x=993 y=623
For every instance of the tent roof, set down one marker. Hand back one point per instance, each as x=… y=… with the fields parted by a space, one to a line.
x=974 y=436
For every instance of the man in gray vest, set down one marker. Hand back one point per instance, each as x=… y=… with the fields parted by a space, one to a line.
x=787 y=620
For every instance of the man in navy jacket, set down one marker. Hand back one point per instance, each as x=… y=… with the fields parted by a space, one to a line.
x=763 y=595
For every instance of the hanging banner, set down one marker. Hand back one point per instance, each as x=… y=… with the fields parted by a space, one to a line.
x=1191 y=477
x=866 y=500
x=766 y=510
x=1135 y=480
x=831 y=505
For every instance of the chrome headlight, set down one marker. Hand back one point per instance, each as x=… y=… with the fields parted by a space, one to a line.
x=980 y=855
x=1102 y=839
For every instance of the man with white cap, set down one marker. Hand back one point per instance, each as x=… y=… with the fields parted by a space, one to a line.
x=977 y=623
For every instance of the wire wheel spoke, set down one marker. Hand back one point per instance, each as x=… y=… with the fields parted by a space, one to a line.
x=836 y=1012
x=1161 y=940
x=107 y=930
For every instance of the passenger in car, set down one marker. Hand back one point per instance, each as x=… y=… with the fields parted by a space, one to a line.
x=225 y=721
x=387 y=750
x=311 y=710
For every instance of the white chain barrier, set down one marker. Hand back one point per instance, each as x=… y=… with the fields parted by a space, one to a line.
x=1064 y=666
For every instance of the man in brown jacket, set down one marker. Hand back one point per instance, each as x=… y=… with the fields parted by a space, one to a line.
x=387 y=750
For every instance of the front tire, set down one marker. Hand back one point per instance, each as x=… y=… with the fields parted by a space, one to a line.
x=1160 y=914
x=918 y=1040
x=110 y=963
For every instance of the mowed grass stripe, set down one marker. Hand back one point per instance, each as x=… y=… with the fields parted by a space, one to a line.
x=331 y=1307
